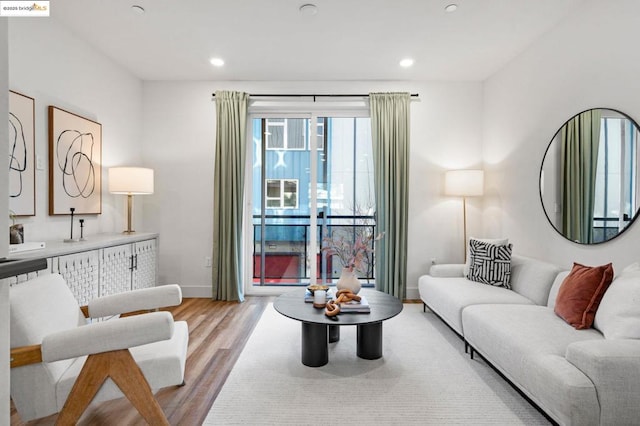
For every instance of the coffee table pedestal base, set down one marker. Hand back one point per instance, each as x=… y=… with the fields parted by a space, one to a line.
x=315 y=344
x=369 y=338
x=334 y=333
x=316 y=338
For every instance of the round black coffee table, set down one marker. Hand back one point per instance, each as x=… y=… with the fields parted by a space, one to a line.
x=318 y=329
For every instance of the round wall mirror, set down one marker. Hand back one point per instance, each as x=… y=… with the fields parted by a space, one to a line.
x=589 y=176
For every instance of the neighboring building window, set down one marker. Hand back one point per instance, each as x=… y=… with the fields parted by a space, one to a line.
x=282 y=193
x=321 y=132
x=283 y=133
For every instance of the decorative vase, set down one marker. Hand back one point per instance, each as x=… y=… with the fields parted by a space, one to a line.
x=16 y=234
x=349 y=281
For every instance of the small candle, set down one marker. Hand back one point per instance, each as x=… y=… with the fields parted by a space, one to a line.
x=319 y=298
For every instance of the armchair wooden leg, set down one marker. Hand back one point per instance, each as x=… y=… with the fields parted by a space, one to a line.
x=129 y=378
x=123 y=370
x=94 y=373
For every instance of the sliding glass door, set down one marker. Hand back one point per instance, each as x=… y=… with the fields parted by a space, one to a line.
x=312 y=177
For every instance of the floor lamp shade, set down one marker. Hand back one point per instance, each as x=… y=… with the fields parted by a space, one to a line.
x=464 y=183
x=130 y=181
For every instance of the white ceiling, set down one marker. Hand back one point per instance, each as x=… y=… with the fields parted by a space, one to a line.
x=345 y=40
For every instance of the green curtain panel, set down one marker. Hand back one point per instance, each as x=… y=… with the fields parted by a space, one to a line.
x=390 y=135
x=228 y=184
x=579 y=161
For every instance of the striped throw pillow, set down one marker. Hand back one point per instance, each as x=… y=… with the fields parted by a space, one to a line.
x=490 y=263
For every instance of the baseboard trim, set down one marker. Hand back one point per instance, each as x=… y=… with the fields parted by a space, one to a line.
x=412 y=293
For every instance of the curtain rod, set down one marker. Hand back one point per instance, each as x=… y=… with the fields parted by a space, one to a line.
x=312 y=95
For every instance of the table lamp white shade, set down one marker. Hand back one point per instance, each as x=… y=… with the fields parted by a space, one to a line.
x=464 y=183
x=130 y=181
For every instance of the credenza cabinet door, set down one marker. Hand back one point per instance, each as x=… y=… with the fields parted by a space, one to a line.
x=81 y=272
x=145 y=266
x=116 y=265
x=128 y=267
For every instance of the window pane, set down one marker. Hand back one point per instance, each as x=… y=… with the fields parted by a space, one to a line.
x=290 y=186
x=273 y=188
x=257 y=185
x=320 y=133
x=364 y=187
x=275 y=133
x=290 y=200
x=274 y=204
x=290 y=193
x=629 y=170
x=340 y=170
x=296 y=133
x=614 y=159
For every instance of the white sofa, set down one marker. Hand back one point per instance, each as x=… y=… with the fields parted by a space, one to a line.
x=577 y=377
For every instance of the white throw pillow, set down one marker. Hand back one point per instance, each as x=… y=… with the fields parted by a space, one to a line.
x=555 y=288
x=494 y=241
x=618 y=316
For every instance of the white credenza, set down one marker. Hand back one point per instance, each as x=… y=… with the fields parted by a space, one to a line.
x=104 y=264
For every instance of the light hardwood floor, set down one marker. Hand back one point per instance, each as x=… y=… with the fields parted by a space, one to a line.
x=218 y=332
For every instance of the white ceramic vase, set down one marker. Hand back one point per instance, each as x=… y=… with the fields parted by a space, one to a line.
x=348 y=280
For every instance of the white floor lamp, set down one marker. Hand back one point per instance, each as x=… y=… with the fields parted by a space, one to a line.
x=464 y=183
x=130 y=181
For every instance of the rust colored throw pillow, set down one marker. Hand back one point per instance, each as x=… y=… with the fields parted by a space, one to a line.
x=581 y=292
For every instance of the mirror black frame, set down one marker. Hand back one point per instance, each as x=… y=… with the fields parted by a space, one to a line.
x=540 y=178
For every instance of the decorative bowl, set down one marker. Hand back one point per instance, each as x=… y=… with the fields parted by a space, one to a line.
x=314 y=287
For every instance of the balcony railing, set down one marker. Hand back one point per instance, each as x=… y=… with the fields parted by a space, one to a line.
x=282 y=256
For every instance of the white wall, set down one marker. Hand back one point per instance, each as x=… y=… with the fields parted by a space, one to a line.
x=4 y=248
x=589 y=60
x=179 y=138
x=48 y=63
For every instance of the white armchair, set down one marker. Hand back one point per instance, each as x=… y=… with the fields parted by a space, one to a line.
x=61 y=363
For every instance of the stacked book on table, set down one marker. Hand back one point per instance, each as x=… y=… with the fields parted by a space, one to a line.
x=361 y=307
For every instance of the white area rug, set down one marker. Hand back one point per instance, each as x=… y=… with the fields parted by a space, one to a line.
x=424 y=378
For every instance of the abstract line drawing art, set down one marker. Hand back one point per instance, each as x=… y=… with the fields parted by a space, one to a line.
x=75 y=163
x=22 y=177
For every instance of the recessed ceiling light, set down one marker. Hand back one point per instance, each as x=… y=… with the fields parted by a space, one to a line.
x=138 y=10
x=308 y=9
x=216 y=62
x=451 y=7
x=406 y=63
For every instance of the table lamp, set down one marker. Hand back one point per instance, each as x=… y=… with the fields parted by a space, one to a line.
x=464 y=183
x=130 y=181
